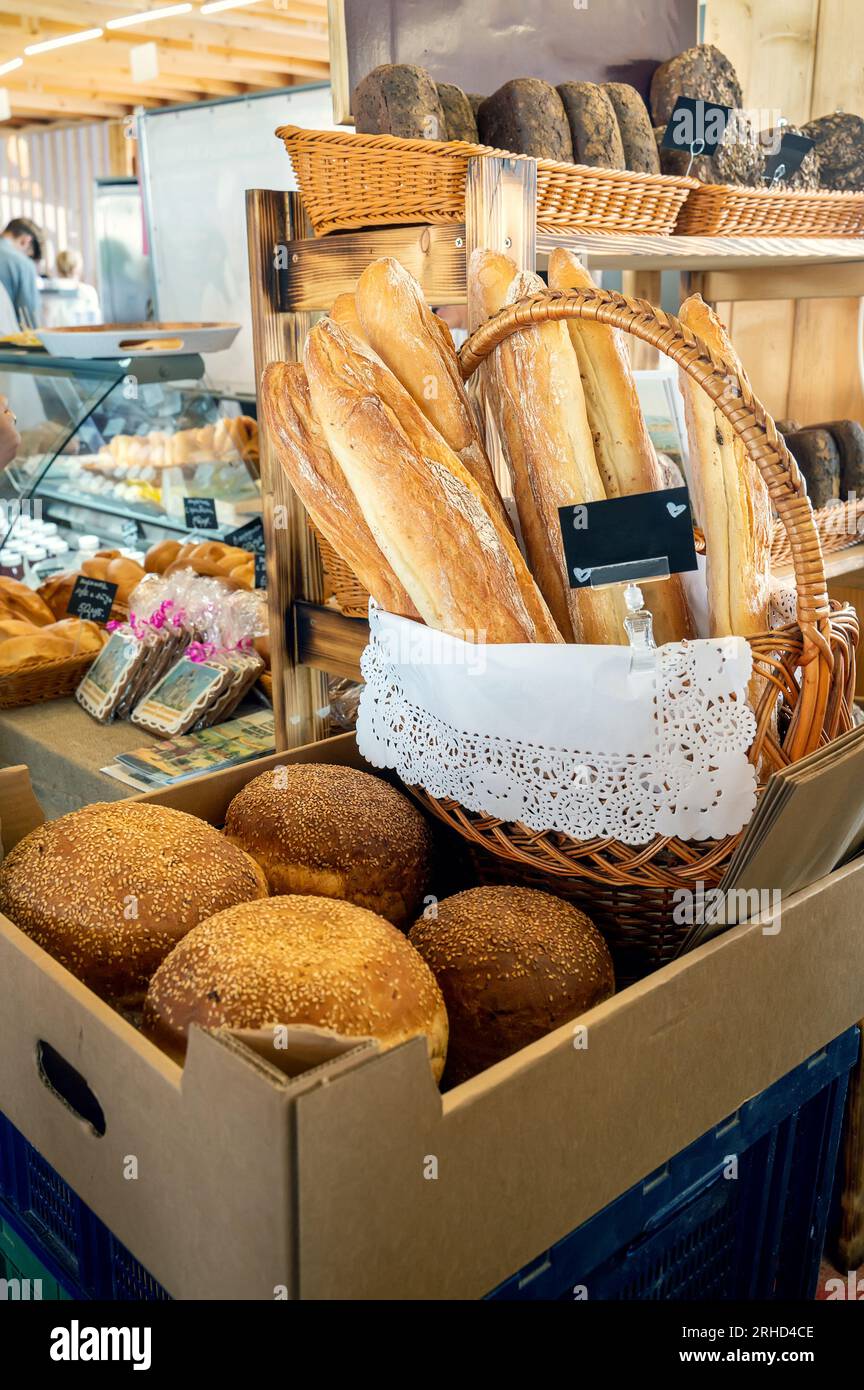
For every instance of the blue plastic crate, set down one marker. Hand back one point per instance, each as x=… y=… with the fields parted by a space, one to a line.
x=685 y=1232
x=76 y=1248
x=691 y=1231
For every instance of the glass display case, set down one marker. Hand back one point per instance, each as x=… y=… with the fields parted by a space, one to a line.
x=111 y=448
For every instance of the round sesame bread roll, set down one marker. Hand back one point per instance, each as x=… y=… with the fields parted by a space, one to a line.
x=297 y=960
x=110 y=889
x=334 y=832
x=513 y=964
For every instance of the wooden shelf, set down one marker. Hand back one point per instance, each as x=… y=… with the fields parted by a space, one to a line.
x=328 y=641
x=319 y=268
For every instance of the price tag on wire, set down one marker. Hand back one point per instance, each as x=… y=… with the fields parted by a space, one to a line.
x=788 y=158
x=696 y=127
x=92 y=599
x=628 y=540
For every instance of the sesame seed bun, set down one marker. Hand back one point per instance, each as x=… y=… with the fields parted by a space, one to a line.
x=301 y=960
x=513 y=964
x=337 y=833
x=110 y=889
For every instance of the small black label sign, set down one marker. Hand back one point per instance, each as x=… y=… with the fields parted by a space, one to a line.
x=250 y=536
x=787 y=161
x=260 y=570
x=200 y=513
x=696 y=126
x=628 y=539
x=91 y=598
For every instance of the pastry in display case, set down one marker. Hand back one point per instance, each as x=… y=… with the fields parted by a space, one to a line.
x=111 y=449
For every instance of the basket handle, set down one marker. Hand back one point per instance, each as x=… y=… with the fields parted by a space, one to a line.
x=732 y=394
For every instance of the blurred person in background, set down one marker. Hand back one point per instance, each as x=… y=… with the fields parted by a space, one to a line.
x=67 y=299
x=10 y=439
x=20 y=249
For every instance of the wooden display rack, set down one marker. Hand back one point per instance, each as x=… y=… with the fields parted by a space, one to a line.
x=295 y=277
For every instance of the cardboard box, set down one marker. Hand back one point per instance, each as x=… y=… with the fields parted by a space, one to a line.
x=357 y=1179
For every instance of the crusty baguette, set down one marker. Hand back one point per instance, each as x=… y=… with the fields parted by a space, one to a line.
x=321 y=485
x=732 y=502
x=622 y=446
x=454 y=556
x=535 y=394
x=344 y=312
x=417 y=347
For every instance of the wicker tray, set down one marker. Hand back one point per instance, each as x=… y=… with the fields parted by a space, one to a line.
x=352 y=180
x=48 y=681
x=720 y=210
x=836 y=526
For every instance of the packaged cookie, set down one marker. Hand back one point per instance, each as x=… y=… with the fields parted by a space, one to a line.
x=117 y=666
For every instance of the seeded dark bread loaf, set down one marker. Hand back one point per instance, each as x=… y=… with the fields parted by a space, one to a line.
x=840 y=147
x=109 y=890
x=476 y=101
x=526 y=116
x=459 y=119
x=818 y=457
x=634 y=123
x=334 y=832
x=702 y=71
x=297 y=960
x=399 y=99
x=593 y=126
x=848 y=435
x=513 y=964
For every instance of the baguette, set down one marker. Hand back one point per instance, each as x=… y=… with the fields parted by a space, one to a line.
x=535 y=394
x=321 y=485
x=734 y=509
x=417 y=347
x=455 y=557
x=622 y=446
x=344 y=312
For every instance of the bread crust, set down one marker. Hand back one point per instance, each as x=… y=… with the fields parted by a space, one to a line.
x=622 y=446
x=456 y=559
x=321 y=485
x=417 y=347
x=297 y=960
x=732 y=502
x=535 y=393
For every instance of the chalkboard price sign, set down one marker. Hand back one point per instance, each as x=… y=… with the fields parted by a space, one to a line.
x=91 y=598
x=249 y=536
x=628 y=539
x=696 y=126
x=200 y=513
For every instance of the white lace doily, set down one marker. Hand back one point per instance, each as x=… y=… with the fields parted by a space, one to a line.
x=565 y=737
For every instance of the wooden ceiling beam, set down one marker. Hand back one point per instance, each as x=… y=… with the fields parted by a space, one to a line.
x=110 y=75
x=185 y=29
x=43 y=104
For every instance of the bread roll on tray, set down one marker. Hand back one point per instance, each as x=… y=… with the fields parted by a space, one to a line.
x=417 y=347
x=732 y=502
x=622 y=446
x=456 y=558
x=535 y=393
x=297 y=960
x=321 y=485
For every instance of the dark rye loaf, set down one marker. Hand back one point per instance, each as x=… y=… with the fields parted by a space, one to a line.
x=703 y=72
x=593 y=127
x=458 y=115
x=818 y=458
x=526 y=116
x=840 y=147
x=399 y=99
x=634 y=123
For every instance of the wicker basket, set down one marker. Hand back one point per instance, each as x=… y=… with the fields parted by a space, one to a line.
x=352 y=598
x=48 y=681
x=837 y=527
x=808 y=668
x=350 y=180
x=718 y=209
